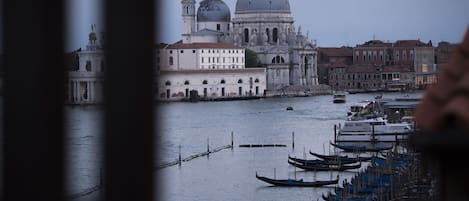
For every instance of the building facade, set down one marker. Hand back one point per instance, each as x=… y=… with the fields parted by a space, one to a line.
x=266 y=27
x=414 y=53
x=207 y=71
x=85 y=84
x=203 y=65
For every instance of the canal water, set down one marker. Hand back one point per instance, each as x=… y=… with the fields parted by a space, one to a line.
x=230 y=173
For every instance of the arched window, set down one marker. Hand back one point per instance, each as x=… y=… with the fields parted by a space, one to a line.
x=275 y=35
x=186 y=82
x=278 y=59
x=167 y=83
x=171 y=61
x=240 y=81
x=267 y=31
x=205 y=82
x=88 y=66
x=246 y=35
x=256 y=80
x=222 y=82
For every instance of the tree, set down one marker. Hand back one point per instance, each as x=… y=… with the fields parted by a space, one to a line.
x=251 y=60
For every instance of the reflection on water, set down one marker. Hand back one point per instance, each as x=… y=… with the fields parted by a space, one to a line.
x=228 y=174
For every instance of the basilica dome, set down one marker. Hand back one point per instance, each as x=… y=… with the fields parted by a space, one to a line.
x=213 y=11
x=250 y=6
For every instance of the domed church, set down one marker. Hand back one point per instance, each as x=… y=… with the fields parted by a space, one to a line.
x=263 y=26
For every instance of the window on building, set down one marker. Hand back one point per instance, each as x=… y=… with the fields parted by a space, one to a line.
x=88 y=65
x=186 y=82
x=193 y=51
x=275 y=35
x=218 y=27
x=171 y=61
x=228 y=27
x=202 y=59
x=182 y=51
x=267 y=32
x=256 y=80
x=222 y=82
x=424 y=68
x=170 y=51
x=246 y=35
x=240 y=81
x=167 y=83
x=205 y=82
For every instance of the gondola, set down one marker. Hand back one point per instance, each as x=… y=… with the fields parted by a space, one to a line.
x=322 y=167
x=296 y=183
x=322 y=162
x=342 y=158
x=361 y=148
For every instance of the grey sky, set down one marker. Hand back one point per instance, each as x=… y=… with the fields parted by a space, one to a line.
x=329 y=22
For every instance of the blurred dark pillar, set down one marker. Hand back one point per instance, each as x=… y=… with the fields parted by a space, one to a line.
x=129 y=100
x=33 y=100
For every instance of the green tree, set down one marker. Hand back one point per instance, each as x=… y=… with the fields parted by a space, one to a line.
x=251 y=60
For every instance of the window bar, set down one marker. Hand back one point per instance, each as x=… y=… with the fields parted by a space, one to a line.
x=33 y=150
x=128 y=147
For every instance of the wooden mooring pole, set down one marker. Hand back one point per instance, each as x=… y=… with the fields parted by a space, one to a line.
x=180 y=158
x=208 y=146
x=293 y=140
x=232 y=144
x=335 y=133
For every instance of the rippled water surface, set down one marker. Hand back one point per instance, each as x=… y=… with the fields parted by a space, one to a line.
x=228 y=174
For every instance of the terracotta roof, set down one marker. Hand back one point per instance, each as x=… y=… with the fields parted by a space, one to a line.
x=446 y=104
x=361 y=69
x=180 y=45
x=410 y=43
x=375 y=43
x=336 y=51
x=398 y=68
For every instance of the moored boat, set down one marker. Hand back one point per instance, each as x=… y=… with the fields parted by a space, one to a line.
x=296 y=183
x=342 y=158
x=323 y=167
x=338 y=161
x=352 y=148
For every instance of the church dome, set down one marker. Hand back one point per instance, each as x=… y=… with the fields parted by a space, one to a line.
x=213 y=11
x=248 y=6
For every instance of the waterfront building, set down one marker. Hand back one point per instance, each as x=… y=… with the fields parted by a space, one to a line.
x=85 y=83
x=412 y=53
x=332 y=57
x=367 y=77
x=203 y=65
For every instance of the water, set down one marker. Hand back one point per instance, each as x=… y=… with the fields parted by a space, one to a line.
x=228 y=174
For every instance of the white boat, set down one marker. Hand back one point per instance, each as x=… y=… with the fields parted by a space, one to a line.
x=339 y=98
x=375 y=131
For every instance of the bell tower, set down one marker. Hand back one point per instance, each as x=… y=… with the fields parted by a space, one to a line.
x=188 y=18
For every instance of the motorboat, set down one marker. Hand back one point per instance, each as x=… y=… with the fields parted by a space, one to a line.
x=339 y=97
x=376 y=130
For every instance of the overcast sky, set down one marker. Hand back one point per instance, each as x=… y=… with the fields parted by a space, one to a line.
x=330 y=23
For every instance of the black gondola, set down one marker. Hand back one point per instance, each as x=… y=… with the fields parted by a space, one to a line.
x=361 y=148
x=322 y=162
x=322 y=167
x=296 y=183
x=342 y=158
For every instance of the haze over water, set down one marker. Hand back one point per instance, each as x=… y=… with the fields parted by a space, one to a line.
x=228 y=174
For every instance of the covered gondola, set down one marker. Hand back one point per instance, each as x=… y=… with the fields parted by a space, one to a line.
x=342 y=158
x=321 y=162
x=296 y=183
x=322 y=167
x=361 y=148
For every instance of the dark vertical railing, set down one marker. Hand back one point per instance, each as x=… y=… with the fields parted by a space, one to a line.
x=129 y=100
x=33 y=100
